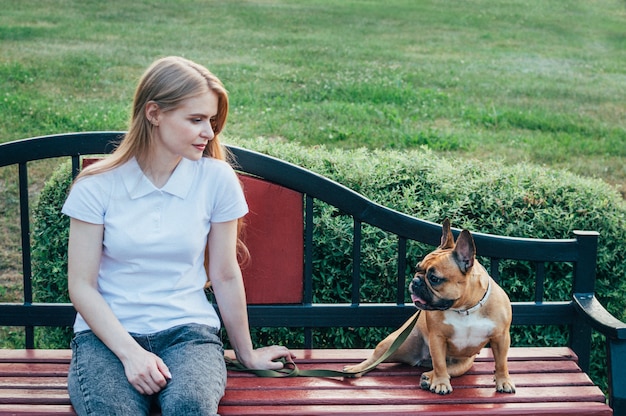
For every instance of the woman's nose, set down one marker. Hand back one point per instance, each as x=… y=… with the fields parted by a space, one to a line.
x=207 y=131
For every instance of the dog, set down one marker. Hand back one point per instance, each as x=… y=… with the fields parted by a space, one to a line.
x=462 y=309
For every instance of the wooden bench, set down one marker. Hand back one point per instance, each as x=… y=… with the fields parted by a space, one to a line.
x=550 y=380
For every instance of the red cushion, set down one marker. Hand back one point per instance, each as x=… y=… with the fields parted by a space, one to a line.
x=274 y=236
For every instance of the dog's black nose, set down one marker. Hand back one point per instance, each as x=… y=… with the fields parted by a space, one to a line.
x=417 y=282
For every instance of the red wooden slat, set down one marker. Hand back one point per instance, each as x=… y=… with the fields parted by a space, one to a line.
x=34 y=396
x=357 y=355
x=409 y=382
x=33 y=382
x=36 y=410
x=375 y=396
x=516 y=409
x=26 y=369
x=483 y=368
x=31 y=356
x=532 y=353
x=529 y=367
x=548 y=383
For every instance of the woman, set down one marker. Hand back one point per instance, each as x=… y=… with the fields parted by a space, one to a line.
x=141 y=221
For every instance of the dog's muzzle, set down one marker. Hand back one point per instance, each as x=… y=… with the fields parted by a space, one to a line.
x=423 y=298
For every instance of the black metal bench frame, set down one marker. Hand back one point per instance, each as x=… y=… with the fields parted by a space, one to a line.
x=581 y=314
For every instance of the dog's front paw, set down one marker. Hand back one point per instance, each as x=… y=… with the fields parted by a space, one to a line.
x=440 y=385
x=425 y=382
x=505 y=385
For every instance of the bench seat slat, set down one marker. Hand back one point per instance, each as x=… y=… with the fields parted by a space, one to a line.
x=32 y=381
x=34 y=356
x=357 y=355
x=374 y=380
x=41 y=369
x=36 y=410
x=478 y=368
x=548 y=380
x=403 y=395
x=343 y=397
x=34 y=396
x=518 y=409
x=505 y=409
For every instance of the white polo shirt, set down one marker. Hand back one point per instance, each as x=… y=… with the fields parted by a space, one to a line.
x=152 y=269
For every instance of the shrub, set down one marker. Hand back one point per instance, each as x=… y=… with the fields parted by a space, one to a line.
x=49 y=253
x=520 y=200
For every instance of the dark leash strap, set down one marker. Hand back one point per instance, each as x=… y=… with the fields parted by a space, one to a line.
x=290 y=368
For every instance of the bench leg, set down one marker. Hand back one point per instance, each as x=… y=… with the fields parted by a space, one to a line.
x=616 y=354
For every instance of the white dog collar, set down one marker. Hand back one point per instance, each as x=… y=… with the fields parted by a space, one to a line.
x=478 y=305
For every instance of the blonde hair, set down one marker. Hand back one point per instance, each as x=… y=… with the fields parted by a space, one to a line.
x=168 y=82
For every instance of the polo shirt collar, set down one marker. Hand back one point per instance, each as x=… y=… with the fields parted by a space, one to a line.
x=138 y=185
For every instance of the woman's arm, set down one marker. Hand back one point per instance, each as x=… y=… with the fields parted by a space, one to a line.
x=227 y=285
x=144 y=370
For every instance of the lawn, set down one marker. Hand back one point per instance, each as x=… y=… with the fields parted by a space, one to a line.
x=538 y=82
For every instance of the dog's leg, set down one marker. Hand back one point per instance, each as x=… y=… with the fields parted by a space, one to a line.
x=459 y=366
x=437 y=380
x=500 y=348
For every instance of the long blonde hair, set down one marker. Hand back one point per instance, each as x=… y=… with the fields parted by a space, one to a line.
x=168 y=82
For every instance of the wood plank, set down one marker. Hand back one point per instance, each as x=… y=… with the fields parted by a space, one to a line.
x=33 y=382
x=505 y=409
x=477 y=368
x=37 y=355
x=548 y=380
x=26 y=369
x=42 y=410
x=532 y=353
x=357 y=355
x=36 y=410
x=405 y=382
x=34 y=396
x=376 y=396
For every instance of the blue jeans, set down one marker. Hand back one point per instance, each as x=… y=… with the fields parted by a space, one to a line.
x=193 y=353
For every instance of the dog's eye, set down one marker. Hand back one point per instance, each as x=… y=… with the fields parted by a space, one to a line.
x=434 y=280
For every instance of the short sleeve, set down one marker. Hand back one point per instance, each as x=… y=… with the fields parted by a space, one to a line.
x=230 y=202
x=86 y=200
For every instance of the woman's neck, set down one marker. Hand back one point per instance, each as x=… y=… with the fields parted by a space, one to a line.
x=158 y=170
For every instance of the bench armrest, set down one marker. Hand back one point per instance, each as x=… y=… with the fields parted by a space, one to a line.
x=598 y=317
x=615 y=332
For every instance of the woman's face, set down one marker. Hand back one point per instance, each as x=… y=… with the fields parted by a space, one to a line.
x=186 y=130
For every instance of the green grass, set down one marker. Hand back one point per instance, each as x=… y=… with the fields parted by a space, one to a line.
x=542 y=82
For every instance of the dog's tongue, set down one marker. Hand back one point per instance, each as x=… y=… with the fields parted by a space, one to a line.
x=417 y=299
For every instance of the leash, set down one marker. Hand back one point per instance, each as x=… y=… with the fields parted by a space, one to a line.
x=290 y=368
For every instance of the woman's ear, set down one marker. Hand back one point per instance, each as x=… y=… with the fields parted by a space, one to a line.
x=153 y=111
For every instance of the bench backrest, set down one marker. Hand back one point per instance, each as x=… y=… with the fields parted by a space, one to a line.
x=266 y=177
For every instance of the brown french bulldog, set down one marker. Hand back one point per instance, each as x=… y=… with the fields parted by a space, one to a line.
x=463 y=309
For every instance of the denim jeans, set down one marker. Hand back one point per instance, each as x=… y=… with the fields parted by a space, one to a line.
x=193 y=353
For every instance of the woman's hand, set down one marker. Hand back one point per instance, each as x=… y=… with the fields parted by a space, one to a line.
x=146 y=372
x=266 y=358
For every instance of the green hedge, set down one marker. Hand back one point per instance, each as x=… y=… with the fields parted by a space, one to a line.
x=520 y=200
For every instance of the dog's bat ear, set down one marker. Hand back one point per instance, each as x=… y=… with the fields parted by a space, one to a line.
x=447 y=239
x=464 y=251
